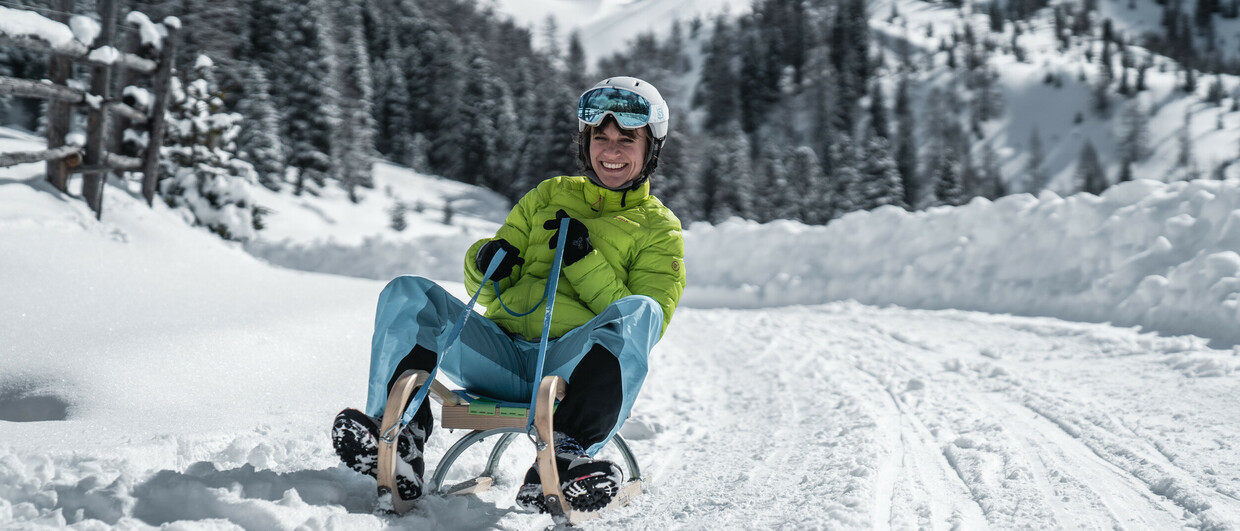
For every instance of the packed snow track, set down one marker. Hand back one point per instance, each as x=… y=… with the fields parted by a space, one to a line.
x=837 y=416
x=852 y=416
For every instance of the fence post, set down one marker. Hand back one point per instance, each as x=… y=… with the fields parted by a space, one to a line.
x=97 y=120
x=125 y=78
x=161 y=86
x=59 y=69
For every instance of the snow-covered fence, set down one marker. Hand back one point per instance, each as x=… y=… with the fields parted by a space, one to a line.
x=79 y=39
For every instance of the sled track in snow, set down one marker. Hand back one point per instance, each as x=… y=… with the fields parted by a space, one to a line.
x=857 y=417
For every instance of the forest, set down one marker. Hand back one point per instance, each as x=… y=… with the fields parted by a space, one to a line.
x=793 y=110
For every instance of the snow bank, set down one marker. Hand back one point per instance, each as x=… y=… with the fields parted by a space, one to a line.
x=1160 y=256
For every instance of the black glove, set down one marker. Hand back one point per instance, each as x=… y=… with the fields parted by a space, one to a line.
x=577 y=244
x=487 y=251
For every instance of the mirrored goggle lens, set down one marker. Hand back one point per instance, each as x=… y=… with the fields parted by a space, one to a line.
x=630 y=108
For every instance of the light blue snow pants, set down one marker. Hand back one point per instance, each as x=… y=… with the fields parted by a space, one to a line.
x=488 y=361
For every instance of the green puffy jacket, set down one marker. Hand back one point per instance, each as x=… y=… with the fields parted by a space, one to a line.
x=638 y=250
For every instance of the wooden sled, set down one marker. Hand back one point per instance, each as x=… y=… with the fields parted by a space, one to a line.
x=484 y=418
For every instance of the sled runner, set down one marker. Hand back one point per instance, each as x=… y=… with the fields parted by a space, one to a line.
x=484 y=417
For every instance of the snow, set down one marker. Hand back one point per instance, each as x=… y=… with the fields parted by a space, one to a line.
x=608 y=26
x=85 y=29
x=104 y=54
x=1143 y=254
x=149 y=32
x=22 y=23
x=872 y=373
x=1034 y=362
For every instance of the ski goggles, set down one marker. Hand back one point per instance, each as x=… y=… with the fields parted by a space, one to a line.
x=630 y=109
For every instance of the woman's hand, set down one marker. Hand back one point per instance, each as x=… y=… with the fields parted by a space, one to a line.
x=488 y=250
x=577 y=244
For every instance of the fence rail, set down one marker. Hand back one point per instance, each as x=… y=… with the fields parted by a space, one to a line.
x=106 y=115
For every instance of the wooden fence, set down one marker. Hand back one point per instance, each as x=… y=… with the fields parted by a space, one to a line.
x=107 y=115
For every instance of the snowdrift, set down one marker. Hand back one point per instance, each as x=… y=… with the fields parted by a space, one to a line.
x=1144 y=253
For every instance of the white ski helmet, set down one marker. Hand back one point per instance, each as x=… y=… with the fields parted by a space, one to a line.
x=631 y=101
x=633 y=104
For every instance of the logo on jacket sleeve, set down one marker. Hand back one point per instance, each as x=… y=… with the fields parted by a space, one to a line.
x=675 y=265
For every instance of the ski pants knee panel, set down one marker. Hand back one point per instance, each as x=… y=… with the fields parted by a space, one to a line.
x=486 y=360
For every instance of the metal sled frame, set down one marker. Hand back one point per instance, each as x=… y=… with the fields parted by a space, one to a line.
x=484 y=419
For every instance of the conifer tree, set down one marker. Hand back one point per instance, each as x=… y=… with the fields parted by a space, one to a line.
x=259 y=142
x=395 y=113
x=717 y=90
x=202 y=173
x=1089 y=172
x=946 y=150
x=575 y=64
x=732 y=176
x=1134 y=133
x=311 y=114
x=906 y=143
x=1185 y=140
x=948 y=174
x=547 y=129
x=1038 y=179
x=990 y=176
x=757 y=87
x=678 y=179
x=397 y=214
x=879 y=176
x=845 y=192
x=476 y=131
x=776 y=198
x=878 y=111
x=810 y=189
x=357 y=125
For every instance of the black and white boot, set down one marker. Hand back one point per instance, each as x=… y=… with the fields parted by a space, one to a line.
x=588 y=484
x=356 y=439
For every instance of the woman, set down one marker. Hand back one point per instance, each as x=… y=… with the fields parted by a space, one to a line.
x=622 y=277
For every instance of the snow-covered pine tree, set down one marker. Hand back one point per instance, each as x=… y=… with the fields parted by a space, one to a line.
x=575 y=64
x=717 y=89
x=989 y=175
x=822 y=103
x=259 y=142
x=677 y=182
x=758 y=85
x=1034 y=166
x=547 y=130
x=844 y=193
x=356 y=139
x=395 y=114
x=311 y=113
x=811 y=191
x=1185 y=140
x=396 y=213
x=1089 y=173
x=878 y=111
x=775 y=199
x=203 y=176
x=881 y=184
x=730 y=180
x=1134 y=134
x=906 y=143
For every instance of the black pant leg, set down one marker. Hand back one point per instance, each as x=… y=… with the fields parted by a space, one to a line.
x=591 y=407
x=421 y=359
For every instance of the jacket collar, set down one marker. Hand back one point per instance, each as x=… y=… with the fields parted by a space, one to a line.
x=604 y=200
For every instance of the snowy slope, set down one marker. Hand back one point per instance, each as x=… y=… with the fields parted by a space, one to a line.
x=161 y=376
x=608 y=26
x=1063 y=114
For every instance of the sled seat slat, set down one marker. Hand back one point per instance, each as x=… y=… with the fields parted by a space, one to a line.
x=471 y=411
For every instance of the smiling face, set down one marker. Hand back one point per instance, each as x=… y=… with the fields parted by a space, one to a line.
x=616 y=154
